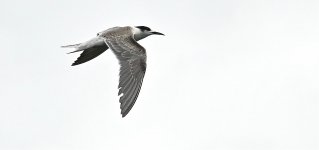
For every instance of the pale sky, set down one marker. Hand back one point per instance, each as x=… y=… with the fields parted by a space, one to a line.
x=228 y=75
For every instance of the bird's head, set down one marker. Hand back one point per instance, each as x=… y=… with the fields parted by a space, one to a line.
x=141 y=32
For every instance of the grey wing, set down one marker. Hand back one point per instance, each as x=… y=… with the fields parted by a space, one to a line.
x=132 y=59
x=90 y=53
x=91 y=49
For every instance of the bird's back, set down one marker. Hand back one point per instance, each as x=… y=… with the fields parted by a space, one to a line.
x=116 y=32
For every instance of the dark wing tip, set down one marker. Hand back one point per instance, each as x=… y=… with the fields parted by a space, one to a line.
x=77 y=63
x=125 y=111
x=124 y=114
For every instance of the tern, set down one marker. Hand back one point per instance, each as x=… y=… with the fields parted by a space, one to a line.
x=130 y=54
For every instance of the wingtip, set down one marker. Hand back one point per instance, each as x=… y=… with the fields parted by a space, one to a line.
x=76 y=63
x=124 y=112
x=123 y=115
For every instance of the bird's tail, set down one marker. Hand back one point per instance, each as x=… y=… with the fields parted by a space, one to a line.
x=71 y=46
x=76 y=46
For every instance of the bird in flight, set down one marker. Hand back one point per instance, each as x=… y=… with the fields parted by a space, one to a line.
x=131 y=55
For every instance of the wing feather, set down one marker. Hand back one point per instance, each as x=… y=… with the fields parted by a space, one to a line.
x=89 y=54
x=132 y=59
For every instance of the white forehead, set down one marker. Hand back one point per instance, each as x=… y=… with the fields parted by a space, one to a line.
x=136 y=30
x=139 y=34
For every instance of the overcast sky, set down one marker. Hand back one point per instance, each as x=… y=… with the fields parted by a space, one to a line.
x=228 y=75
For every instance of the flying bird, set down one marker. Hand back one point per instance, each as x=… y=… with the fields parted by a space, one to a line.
x=131 y=56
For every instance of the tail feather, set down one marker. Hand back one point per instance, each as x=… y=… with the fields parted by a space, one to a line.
x=71 y=46
x=75 y=51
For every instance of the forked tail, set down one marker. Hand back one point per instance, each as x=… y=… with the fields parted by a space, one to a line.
x=71 y=46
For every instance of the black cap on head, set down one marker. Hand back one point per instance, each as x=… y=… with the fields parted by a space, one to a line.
x=143 y=28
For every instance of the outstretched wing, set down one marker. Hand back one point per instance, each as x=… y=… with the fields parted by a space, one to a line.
x=132 y=59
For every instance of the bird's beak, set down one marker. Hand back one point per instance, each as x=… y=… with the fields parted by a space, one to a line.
x=157 y=33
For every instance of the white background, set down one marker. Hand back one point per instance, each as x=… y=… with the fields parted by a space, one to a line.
x=228 y=75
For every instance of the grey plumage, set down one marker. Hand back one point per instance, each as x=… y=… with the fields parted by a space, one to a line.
x=131 y=55
x=132 y=59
